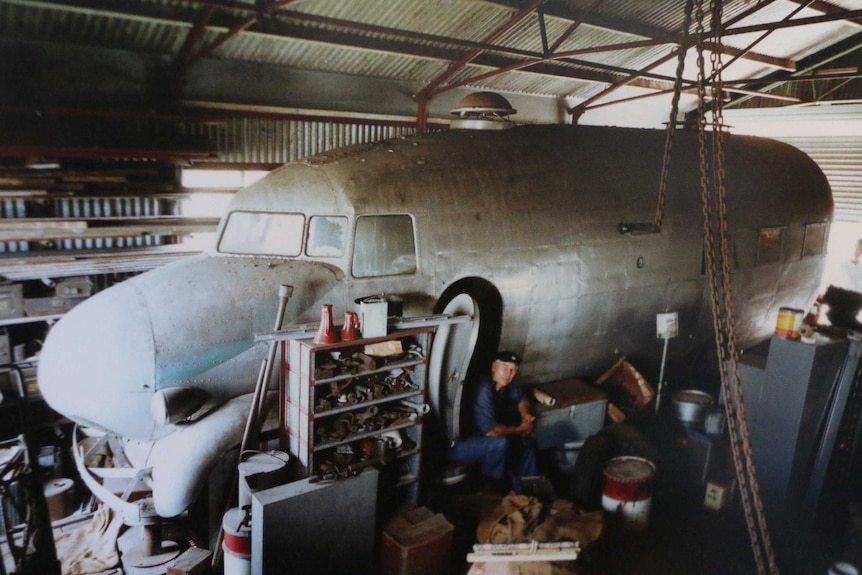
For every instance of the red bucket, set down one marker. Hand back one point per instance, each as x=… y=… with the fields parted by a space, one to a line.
x=628 y=489
x=237 y=542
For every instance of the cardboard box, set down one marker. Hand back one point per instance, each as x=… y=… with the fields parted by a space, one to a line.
x=417 y=542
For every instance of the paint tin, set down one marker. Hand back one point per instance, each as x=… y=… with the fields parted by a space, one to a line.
x=373 y=316
x=236 y=545
x=627 y=492
x=789 y=322
x=259 y=470
x=690 y=405
x=60 y=497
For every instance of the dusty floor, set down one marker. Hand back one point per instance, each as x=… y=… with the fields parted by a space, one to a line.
x=682 y=536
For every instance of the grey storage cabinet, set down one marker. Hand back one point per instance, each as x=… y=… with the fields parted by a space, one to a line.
x=323 y=527
x=787 y=397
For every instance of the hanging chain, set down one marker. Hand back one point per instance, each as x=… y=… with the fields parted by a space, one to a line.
x=674 y=110
x=719 y=269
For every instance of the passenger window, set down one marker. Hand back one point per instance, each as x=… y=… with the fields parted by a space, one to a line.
x=769 y=246
x=326 y=236
x=261 y=233
x=814 y=243
x=384 y=246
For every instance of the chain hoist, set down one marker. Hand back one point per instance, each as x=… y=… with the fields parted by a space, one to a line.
x=712 y=179
x=674 y=110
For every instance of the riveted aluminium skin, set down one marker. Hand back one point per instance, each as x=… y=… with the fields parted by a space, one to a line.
x=534 y=211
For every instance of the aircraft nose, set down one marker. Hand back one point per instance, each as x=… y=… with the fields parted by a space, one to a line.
x=191 y=323
x=97 y=365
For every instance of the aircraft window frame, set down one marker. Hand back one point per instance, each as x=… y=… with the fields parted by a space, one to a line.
x=770 y=244
x=814 y=241
x=244 y=238
x=311 y=243
x=390 y=261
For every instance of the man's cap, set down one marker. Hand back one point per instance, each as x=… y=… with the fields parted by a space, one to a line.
x=509 y=356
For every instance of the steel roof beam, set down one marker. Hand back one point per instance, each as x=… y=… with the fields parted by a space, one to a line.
x=845 y=75
x=446 y=48
x=194 y=36
x=661 y=35
x=771 y=26
x=804 y=74
x=583 y=106
x=573 y=26
x=237 y=28
x=826 y=9
x=455 y=67
x=187 y=17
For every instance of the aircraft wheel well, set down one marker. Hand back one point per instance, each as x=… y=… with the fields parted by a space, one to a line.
x=490 y=313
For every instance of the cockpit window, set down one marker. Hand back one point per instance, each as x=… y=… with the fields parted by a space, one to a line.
x=260 y=233
x=384 y=246
x=326 y=236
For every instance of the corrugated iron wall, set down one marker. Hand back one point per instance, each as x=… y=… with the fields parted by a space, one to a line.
x=252 y=140
x=831 y=133
x=840 y=158
x=240 y=140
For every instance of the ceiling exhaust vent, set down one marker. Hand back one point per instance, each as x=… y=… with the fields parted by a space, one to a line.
x=482 y=111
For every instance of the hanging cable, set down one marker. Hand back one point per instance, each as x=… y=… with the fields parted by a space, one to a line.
x=674 y=110
x=711 y=151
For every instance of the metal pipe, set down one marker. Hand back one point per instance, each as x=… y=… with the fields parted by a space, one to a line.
x=420 y=408
x=253 y=423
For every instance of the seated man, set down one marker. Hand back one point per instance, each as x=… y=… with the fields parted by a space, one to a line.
x=502 y=426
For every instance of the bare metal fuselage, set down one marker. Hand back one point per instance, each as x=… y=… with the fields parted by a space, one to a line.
x=534 y=213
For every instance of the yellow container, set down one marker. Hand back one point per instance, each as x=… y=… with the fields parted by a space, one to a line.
x=789 y=322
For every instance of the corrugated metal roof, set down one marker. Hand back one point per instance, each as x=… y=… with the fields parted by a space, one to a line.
x=789 y=42
x=328 y=58
x=417 y=40
x=89 y=27
x=461 y=19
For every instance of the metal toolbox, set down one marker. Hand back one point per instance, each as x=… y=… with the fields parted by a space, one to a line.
x=577 y=413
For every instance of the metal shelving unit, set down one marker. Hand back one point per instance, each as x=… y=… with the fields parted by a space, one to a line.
x=345 y=409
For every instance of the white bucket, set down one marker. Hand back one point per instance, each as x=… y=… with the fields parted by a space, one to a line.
x=566 y=456
x=237 y=542
x=254 y=470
